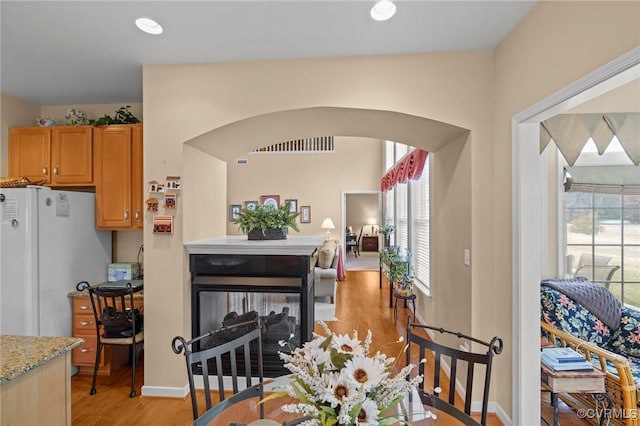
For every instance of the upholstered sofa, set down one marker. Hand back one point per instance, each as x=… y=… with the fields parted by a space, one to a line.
x=325 y=270
x=613 y=347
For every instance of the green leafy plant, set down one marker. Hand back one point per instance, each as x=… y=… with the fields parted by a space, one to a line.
x=396 y=263
x=266 y=217
x=121 y=116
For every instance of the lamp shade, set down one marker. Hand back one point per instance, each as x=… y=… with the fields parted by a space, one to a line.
x=327 y=224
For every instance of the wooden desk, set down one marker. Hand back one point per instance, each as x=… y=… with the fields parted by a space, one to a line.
x=557 y=382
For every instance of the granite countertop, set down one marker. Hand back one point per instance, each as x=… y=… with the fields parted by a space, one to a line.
x=296 y=245
x=20 y=354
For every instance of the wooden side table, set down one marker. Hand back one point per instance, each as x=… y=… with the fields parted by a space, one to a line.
x=556 y=382
x=369 y=243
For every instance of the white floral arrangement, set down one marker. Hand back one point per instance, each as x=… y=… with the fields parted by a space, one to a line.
x=75 y=117
x=336 y=381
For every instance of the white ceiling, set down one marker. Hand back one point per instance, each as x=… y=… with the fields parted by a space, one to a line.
x=90 y=52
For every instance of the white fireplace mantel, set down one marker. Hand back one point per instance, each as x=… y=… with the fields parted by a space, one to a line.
x=296 y=245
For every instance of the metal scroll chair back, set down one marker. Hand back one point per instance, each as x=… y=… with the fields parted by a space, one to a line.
x=118 y=322
x=224 y=352
x=431 y=400
x=456 y=358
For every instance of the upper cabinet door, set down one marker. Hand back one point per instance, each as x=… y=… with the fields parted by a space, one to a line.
x=137 y=187
x=29 y=149
x=113 y=177
x=71 y=155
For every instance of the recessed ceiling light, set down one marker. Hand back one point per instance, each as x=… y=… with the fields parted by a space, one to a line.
x=383 y=10
x=149 y=26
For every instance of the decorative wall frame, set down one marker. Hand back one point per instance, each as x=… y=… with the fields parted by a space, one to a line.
x=163 y=224
x=305 y=214
x=173 y=183
x=250 y=205
x=234 y=209
x=270 y=200
x=152 y=204
x=293 y=207
x=170 y=200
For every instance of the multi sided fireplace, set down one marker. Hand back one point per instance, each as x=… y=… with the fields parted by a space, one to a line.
x=277 y=290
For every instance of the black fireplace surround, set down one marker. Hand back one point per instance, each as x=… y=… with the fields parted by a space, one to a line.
x=277 y=290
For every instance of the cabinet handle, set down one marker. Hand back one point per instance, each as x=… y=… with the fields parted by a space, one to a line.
x=137 y=215
x=86 y=322
x=85 y=350
x=83 y=307
x=126 y=214
x=55 y=170
x=44 y=170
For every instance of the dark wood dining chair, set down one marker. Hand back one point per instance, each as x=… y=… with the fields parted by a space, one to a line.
x=118 y=322
x=456 y=358
x=430 y=400
x=234 y=351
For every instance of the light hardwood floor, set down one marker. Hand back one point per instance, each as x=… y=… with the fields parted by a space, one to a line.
x=361 y=306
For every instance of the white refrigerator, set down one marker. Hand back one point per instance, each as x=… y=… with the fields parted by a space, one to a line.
x=49 y=243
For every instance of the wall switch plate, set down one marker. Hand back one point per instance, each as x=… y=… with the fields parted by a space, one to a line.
x=467 y=257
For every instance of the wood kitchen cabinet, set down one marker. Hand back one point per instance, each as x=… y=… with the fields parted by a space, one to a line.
x=84 y=326
x=61 y=155
x=118 y=166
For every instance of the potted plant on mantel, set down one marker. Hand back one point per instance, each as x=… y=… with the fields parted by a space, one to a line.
x=267 y=222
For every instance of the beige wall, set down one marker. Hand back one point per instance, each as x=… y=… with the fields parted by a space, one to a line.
x=360 y=208
x=553 y=46
x=215 y=105
x=315 y=180
x=14 y=112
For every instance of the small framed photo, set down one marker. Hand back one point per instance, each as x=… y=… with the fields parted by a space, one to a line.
x=250 y=205
x=234 y=209
x=305 y=214
x=293 y=205
x=270 y=200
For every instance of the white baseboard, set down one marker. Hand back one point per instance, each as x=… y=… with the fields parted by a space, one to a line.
x=165 y=391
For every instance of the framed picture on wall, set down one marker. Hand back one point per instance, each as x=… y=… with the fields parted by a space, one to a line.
x=270 y=200
x=293 y=205
x=250 y=205
x=234 y=209
x=305 y=214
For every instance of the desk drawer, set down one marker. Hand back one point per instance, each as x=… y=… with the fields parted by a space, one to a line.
x=85 y=354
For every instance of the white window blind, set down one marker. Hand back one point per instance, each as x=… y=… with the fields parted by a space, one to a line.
x=389 y=160
x=389 y=212
x=402 y=216
x=420 y=228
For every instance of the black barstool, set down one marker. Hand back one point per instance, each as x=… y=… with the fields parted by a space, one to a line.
x=408 y=298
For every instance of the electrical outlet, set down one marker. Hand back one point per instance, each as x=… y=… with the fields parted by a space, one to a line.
x=467 y=257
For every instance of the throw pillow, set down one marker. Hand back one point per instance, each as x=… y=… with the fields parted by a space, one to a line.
x=325 y=254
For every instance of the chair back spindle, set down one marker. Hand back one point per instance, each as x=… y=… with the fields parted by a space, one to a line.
x=225 y=356
x=456 y=359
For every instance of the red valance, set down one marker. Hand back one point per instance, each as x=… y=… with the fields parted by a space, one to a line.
x=410 y=167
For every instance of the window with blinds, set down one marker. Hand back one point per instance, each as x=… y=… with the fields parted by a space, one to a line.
x=407 y=207
x=402 y=216
x=420 y=228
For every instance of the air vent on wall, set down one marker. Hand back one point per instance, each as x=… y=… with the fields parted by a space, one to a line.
x=322 y=144
x=243 y=162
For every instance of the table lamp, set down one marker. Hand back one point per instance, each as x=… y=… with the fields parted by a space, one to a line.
x=372 y=222
x=328 y=225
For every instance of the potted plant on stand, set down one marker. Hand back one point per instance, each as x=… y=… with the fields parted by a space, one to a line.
x=267 y=222
x=396 y=266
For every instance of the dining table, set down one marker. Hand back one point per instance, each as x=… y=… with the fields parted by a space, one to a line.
x=247 y=412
